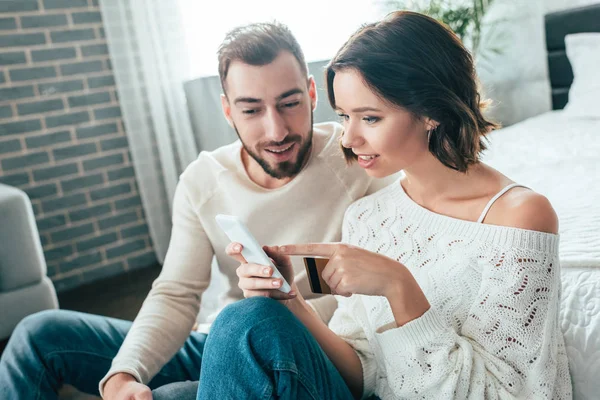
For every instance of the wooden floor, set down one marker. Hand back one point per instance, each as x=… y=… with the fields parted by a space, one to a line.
x=119 y=297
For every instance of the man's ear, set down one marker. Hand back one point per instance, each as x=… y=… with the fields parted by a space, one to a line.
x=226 y=109
x=312 y=92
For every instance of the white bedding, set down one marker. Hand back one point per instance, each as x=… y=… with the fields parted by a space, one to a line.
x=559 y=156
x=580 y=323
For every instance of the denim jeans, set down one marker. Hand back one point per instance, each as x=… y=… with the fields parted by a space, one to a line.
x=257 y=349
x=54 y=347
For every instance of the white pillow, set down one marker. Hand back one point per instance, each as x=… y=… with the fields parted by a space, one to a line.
x=583 y=52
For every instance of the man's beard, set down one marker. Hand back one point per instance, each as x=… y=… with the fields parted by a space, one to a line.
x=286 y=169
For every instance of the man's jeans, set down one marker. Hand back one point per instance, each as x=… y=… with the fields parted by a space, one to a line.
x=54 y=347
x=257 y=349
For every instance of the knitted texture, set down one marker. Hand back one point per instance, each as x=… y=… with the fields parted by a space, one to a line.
x=492 y=331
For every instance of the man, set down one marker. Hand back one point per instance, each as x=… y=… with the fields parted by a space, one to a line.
x=286 y=179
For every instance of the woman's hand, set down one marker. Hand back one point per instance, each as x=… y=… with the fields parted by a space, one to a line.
x=352 y=270
x=257 y=280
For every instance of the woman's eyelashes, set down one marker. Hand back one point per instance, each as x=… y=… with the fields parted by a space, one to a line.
x=343 y=117
x=369 y=120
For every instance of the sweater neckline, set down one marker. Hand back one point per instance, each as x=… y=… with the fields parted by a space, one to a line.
x=502 y=235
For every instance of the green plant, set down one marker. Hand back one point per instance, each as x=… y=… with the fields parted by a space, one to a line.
x=463 y=17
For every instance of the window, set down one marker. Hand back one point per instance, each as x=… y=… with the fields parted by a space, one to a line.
x=321 y=26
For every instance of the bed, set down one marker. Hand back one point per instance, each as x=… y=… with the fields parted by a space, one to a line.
x=558 y=154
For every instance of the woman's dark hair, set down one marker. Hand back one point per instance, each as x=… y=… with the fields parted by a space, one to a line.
x=415 y=63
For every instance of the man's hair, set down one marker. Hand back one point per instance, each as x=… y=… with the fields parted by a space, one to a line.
x=417 y=64
x=257 y=44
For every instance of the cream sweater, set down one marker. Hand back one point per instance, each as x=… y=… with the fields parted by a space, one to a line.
x=310 y=208
x=492 y=331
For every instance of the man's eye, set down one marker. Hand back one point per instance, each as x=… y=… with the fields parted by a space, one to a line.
x=292 y=104
x=249 y=112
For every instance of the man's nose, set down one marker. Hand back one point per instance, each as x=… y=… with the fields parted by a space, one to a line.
x=276 y=128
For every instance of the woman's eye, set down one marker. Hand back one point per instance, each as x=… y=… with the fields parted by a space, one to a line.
x=371 y=120
x=343 y=117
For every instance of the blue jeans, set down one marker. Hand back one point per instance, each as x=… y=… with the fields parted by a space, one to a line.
x=257 y=349
x=54 y=347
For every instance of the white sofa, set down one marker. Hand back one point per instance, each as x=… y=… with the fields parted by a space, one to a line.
x=24 y=286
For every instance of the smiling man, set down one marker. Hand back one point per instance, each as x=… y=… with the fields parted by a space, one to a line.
x=286 y=178
x=273 y=121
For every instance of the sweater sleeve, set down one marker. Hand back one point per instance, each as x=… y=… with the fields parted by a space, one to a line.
x=324 y=306
x=170 y=310
x=506 y=347
x=346 y=326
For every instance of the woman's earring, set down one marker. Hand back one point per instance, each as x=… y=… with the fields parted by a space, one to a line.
x=430 y=132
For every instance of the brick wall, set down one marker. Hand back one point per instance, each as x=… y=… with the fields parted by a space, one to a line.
x=63 y=142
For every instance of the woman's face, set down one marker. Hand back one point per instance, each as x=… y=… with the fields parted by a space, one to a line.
x=385 y=138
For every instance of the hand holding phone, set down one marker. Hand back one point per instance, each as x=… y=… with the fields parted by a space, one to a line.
x=237 y=231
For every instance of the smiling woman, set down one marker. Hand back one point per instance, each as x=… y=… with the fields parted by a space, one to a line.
x=447 y=280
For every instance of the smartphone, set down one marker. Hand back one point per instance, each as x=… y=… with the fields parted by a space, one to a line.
x=237 y=231
x=314 y=270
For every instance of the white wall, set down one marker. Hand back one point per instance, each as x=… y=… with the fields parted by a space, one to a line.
x=517 y=78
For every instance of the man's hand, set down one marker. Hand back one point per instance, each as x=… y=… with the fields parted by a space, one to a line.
x=123 y=386
x=256 y=280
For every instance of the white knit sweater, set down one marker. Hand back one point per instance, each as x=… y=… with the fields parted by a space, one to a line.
x=217 y=183
x=492 y=330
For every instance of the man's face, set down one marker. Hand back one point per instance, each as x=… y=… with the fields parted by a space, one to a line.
x=270 y=107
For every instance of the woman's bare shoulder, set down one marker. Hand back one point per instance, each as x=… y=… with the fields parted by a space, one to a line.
x=525 y=209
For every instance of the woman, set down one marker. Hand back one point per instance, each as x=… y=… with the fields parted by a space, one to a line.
x=447 y=281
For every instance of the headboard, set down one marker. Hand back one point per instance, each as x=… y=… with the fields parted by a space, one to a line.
x=558 y=25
